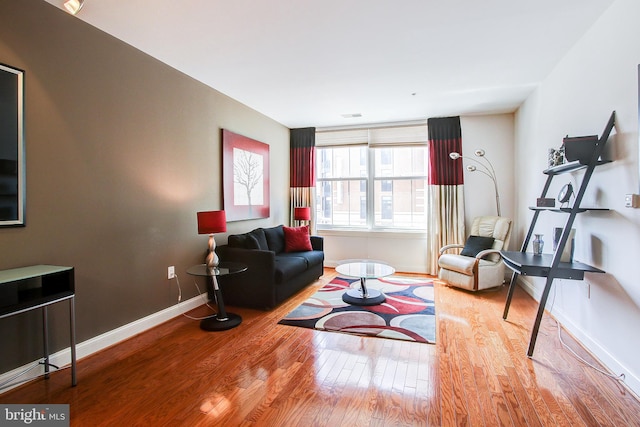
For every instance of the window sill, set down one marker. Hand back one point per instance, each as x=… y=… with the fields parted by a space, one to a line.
x=386 y=234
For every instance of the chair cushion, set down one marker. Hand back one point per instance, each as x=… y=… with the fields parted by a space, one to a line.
x=476 y=244
x=461 y=264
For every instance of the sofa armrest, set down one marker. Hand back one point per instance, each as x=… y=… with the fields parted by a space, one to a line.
x=256 y=286
x=246 y=256
x=317 y=243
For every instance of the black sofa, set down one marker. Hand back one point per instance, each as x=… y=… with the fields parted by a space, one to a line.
x=273 y=275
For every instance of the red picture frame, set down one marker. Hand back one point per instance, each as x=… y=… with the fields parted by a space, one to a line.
x=245 y=171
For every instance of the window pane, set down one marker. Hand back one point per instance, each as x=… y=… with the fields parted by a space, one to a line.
x=372 y=186
x=341 y=203
x=401 y=205
x=342 y=162
x=400 y=161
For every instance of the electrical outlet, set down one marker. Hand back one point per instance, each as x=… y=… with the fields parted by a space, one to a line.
x=587 y=289
x=631 y=200
x=171 y=272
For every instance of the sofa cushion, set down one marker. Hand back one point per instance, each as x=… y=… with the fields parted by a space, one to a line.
x=297 y=239
x=275 y=238
x=259 y=235
x=237 y=241
x=244 y=241
x=288 y=267
x=311 y=257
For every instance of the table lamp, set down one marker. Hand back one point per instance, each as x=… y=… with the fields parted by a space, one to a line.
x=210 y=222
x=302 y=214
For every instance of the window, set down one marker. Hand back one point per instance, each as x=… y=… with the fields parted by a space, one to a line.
x=372 y=178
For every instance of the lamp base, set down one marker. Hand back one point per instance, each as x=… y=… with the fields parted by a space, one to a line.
x=214 y=324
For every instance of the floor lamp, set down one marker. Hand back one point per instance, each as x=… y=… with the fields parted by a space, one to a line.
x=487 y=170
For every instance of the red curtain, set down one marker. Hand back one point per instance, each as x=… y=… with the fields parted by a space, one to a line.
x=445 y=137
x=302 y=157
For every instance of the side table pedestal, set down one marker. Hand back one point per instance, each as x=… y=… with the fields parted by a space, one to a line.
x=222 y=320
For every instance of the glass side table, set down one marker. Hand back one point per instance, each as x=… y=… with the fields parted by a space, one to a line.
x=364 y=269
x=222 y=320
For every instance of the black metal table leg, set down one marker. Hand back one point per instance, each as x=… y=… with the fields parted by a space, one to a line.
x=536 y=325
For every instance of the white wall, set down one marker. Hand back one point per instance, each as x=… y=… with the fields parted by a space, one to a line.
x=407 y=251
x=599 y=75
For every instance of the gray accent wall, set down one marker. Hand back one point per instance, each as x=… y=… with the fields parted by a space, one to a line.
x=121 y=152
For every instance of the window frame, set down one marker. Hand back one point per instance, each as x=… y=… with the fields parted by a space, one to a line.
x=370 y=181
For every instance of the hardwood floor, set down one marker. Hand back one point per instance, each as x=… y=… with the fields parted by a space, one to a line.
x=265 y=374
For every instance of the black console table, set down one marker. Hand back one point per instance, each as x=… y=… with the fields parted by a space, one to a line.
x=38 y=286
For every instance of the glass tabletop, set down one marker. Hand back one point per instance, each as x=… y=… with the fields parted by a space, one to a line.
x=364 y=268
x=222 y=269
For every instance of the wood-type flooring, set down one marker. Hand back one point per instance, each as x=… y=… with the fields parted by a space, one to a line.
x=265 y=374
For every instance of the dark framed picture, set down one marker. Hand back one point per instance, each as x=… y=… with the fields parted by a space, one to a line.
x=12 y=165
x=245 y=175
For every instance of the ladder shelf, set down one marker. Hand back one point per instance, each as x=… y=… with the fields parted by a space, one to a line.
x=550 y=265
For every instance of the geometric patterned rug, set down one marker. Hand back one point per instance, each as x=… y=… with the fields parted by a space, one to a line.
x=407 y=314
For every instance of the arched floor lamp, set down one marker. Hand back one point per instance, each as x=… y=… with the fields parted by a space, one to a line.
x=487 y=170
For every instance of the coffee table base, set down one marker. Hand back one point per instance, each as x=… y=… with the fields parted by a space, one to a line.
x=354 y=297
x=214 y=324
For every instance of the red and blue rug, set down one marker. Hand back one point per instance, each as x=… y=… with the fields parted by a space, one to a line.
x=407 y=314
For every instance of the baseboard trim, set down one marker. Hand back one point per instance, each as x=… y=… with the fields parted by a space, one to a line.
x=631 y=381
x=86 y=348
x=399 y=268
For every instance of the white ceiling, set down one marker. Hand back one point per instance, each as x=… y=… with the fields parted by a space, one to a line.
x=307 y=63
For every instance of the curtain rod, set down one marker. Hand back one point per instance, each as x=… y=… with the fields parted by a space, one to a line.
x=373 y=126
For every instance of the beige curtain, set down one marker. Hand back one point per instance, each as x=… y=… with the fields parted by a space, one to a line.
x=446 y=221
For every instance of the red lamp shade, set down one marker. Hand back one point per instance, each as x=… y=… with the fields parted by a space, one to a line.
x=210 y=222
x=302 y=214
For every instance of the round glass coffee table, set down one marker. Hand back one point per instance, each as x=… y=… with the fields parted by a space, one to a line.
x=364 y=269
x=222 y=320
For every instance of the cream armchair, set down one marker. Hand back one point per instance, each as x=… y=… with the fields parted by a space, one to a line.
x=482 y=267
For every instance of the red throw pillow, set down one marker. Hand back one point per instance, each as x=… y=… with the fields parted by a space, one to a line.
x=296 y=239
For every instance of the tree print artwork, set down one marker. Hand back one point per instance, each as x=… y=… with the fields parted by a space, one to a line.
x=245 y=164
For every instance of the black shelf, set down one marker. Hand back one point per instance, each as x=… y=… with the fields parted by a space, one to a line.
x=570 y=167
x=550 y=265
x=528 y=264
x=568 y=210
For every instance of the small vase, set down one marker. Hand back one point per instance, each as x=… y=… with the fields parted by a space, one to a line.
x=538 y=244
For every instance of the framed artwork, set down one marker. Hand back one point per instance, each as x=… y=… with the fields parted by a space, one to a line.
x=245 y=175
x=12 y=174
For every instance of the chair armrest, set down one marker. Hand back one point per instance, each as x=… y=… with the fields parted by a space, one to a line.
x=451 y=246
x=486 y=252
